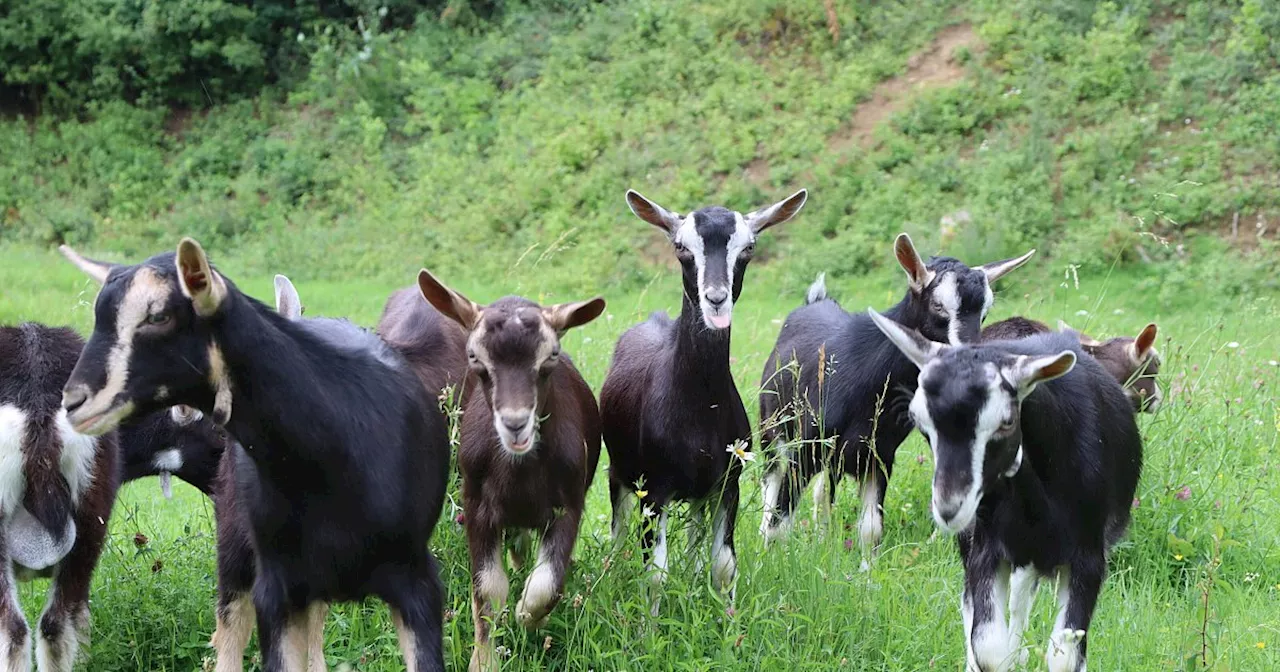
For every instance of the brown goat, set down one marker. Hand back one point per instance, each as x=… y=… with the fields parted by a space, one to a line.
x=530 y=445
x=1133 y=362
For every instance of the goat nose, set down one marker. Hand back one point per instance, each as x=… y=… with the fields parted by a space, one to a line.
x=716 y=296
x=515 y=422
x=947 y=512
x=74 y=397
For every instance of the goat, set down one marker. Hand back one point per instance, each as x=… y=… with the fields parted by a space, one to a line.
x=674 y=424
x=833 y=381
x=57 y=487
x=530 y=445
x=435 y=347
x=1133 y=362
x=340 y=468
x=1037 y=456
x=178 y=442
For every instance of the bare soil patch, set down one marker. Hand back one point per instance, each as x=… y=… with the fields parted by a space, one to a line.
x=934 y=66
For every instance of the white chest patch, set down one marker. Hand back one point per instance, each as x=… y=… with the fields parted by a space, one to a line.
x=13 y=433
x=167 y=460
x=76 y=462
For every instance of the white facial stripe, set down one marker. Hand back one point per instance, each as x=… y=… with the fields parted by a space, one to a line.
x=13 y=433
x=78 y=453
x=146 y=291
x=990 y=418
x=948 y=295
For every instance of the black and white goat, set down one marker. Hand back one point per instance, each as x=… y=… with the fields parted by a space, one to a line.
x=530 y=445
x=342 y=471
x=57 y=487
x=1133 y=362
x=1036 y=459
x=671 y=412
x=178 y=442
x=831 y=383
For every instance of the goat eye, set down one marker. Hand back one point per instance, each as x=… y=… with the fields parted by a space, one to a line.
x=937 y=307
x=158 y=319
x=1009 y=424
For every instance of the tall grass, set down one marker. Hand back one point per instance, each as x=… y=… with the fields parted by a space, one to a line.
x=1195 y=585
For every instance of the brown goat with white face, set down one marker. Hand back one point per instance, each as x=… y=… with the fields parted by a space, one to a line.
x=530 y=445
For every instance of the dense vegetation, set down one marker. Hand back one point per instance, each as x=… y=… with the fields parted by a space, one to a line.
x=1136 y=144
x=1101 y=131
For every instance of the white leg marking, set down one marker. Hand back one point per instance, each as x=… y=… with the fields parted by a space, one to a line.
x=966 y=615
x=989 y=640
x=1022 y=594
x=294 y=641
x=1064 y=644
x=540 y=592
x=231 y=635
x=408 y=644
x=658 y=565
x=821 y=498
x=769 y=491
x=870 y=520
x=13 y=433
x=76 y=461
x=622 y=507
x=315 y=636
x=494 y=585
x=695 y=534
x=59 y=654
x=15 y=656
x=724 y=566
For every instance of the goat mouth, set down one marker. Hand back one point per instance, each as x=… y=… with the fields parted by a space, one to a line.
x=719 y=321
x=102 y=422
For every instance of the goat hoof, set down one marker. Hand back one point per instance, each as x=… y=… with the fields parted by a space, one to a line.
x=529 y=620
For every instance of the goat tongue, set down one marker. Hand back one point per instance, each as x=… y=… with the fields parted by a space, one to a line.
x=720 y=321
x=166 y=484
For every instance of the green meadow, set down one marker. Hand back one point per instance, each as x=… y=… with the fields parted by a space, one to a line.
x=1135 y=145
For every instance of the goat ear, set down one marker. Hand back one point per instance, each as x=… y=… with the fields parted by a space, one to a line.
x=652 y=212
x=997 y=269
x=1143 y=344
x=565 y=316
x=777 y=213
x=918 y=274
x=1031 y=371
x=455 y=306
x=916 y=347
x=198 y=281
x=98 y=270
x=288 y=303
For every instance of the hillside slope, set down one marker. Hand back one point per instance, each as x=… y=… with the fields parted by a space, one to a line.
x=1096 y=131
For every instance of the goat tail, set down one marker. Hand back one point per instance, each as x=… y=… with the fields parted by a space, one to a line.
x=818 y=290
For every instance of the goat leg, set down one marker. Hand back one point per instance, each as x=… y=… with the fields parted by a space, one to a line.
x=542 y=590
x=489 y=588
x=1078 y=588
x=15 y=637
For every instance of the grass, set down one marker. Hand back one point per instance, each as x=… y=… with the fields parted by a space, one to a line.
x=1207 y=522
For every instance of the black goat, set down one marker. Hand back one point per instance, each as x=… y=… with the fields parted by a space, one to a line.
x=57 y=487
x=1037 y=456
x=342 y=471
x=530 y=445
x=178 y=442
x=834 y=383
x=674 y=424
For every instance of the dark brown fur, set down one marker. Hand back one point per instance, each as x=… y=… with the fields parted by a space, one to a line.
x=434 y=346
x=35 y=361
x=533 y=475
